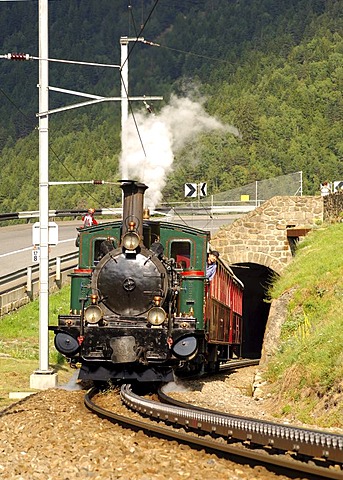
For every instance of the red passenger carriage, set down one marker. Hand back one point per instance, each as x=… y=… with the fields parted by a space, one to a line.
x=223 y=313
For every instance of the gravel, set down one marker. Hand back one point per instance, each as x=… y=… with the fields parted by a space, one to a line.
x=52 y=436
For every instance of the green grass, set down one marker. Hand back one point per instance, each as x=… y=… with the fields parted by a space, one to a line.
x=19 y=346
x=308 y=368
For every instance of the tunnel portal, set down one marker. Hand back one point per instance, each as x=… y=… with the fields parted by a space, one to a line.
x=256 y=279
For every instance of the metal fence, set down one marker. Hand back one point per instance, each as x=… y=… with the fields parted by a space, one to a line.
x=262 y=190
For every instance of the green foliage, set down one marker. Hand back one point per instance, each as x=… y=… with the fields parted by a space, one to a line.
x=19 y=346
x=272 y=69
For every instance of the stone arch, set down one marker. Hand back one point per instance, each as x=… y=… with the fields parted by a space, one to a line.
x=256 y=257
x=257 y=245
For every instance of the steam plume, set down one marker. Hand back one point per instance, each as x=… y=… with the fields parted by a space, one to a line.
x=162 y=136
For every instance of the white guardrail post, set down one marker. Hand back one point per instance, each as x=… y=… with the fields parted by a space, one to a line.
x=58 y=271
x=29 y=290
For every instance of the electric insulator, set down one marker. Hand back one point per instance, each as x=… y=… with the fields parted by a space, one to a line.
x=98 y=182
x=18 y=56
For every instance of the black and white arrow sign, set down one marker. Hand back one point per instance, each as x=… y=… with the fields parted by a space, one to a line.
x=190 y=189
x=337 y=186
x=202 y=189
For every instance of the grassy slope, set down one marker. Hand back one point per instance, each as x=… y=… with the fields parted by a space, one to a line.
x=307 y=372
x=19 y=347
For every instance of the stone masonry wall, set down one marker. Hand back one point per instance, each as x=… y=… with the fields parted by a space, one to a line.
x=261 y=235
x=333 y=207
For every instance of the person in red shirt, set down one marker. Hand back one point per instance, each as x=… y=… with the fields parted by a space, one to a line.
x=88 y=219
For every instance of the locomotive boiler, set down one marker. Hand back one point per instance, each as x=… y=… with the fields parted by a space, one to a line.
x=141 y=307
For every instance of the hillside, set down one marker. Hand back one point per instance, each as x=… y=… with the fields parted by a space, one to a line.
x=305 y=376
x=252 y=89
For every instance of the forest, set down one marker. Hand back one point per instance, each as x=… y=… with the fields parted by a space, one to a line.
x=252 y=89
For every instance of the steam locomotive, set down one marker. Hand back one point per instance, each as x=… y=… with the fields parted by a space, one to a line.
x=141 y=308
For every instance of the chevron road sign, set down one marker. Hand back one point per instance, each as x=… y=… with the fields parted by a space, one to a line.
x=337 y=186
x=202 y=189
x=190 y=189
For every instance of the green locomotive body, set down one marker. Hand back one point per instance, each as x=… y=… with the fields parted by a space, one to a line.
x=140 y=300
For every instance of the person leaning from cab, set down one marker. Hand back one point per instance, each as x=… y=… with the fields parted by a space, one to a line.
x=88 y=219
x=211 y=266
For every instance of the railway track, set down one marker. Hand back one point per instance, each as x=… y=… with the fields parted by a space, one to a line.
x=279 y=448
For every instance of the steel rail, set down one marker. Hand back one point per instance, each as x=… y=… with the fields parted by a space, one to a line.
x=313 y=443
x=235 y=453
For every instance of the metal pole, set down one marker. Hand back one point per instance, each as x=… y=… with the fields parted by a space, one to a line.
x=124 y=41
x=58 y=270
x=29 y=282
x=301 y=183
x=43 y=377
x=43 y=188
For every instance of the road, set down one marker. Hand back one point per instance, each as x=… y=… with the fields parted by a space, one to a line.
x=16 y=240
x=16 y=245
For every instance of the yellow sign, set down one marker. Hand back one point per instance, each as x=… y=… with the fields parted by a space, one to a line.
x=245 y=198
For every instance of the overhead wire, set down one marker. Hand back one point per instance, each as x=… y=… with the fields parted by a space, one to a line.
x=81 y=186
x=70 y=173
x=133 y=115
x=130 y=105
x=140 y=32
x=194 y=54
x=50 y=147
x=16 y=106
x=132 y=18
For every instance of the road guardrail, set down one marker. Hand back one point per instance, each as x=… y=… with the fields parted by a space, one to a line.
x=22 y=273
x=22 y=286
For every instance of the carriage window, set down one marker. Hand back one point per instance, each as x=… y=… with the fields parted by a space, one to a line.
x=181 y=252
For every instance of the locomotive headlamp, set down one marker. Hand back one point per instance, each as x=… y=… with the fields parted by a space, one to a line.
x=131 y=240
x=93 y=314
x=156 y=316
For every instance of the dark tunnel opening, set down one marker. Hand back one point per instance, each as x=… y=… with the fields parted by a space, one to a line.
x=256 y=279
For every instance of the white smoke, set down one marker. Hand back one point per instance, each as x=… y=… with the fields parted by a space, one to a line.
x=162 y=136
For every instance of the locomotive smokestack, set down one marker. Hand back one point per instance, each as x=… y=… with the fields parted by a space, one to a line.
x=133 y=206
